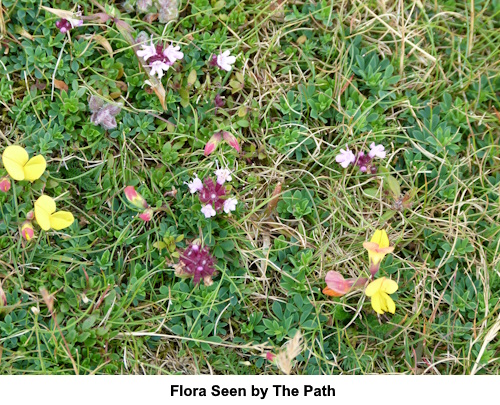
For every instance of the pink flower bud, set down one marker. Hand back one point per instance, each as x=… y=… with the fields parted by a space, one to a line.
x=27 y=231
x=147 y=215
x=270 y=356
x=213 y=143
x=231 y=140
x=135 y=198
x=4 y=184
x=30 y=216
x=337 y=286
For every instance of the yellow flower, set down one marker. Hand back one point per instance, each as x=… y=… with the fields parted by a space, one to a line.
x=379 y=291
x=378 y=247
x=19 y=165
x=47 y=217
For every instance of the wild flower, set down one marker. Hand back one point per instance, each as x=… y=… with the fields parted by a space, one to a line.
x=103 y=113
x=216 y=138
x=337 y=286
x=147 y=51
x=379 y=291
x=48 y=218
x=5 y=184
x=19 y=165
x=27 y=231
x=135 y=198
x=139 y=202
x=208 y=211
x=223 y=175
x=377 y=151
x=362 y=160
x=345 y=158
x=64 y=25
x=212 y=194
x=377 y=248
x=230 y=205
x=159 y=58
x=146 y=215
x=224 y=60
x=231 y=140
x=212 y=143
x=195 y=185
x=196 y=262
x=270 y=356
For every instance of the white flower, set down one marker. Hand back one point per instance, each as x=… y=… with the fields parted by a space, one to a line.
x=75 y=22
x=208 y=211
x=173 y=53
x=158 y=67
x=147 y=51
x=223 y=175
x=195 y=185
x=230 y=205
x=345 y=158
x=225 y=60
x=377 y=150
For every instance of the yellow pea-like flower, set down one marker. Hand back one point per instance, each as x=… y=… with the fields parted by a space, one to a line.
x=19 y=165
x=378 y=247
x=379 y=291
x=47 y=216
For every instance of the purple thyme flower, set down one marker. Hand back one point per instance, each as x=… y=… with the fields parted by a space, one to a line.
x=223 y=61
x=208 y=211
x=195 y=185
x=223 y=175
x=377 y=151
x=160 y=59
x=213 y=194
x=197 y=262
x=345 y=158
x=230 y=205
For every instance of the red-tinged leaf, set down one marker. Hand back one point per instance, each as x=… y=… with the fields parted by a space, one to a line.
x=275 y=198
x=59 y=84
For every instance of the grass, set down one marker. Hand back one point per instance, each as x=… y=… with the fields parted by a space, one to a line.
x=311 y=78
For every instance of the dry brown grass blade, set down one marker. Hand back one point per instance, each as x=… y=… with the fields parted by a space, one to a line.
x=60 y=13
x=2 y=21
x=104 y=43
x=49 y=301
x=284 y=359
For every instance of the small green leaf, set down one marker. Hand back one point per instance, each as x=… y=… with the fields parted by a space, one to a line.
x=393 y=185
x=371 y=192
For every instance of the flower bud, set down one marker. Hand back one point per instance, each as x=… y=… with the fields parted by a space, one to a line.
x=27 y=231
x=30 y=216
x=4 y=184
x=135 y=198
x=231 y=140
x=337 y=286
x=147 y=215
x=213 y=143
x=270 y=356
